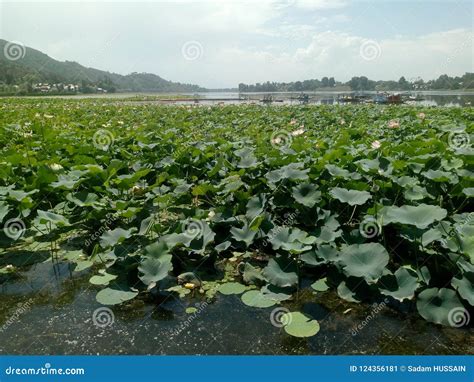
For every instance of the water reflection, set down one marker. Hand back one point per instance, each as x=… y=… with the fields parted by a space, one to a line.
x=43 y=314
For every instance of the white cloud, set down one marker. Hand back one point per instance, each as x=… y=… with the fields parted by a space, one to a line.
x=242 y=40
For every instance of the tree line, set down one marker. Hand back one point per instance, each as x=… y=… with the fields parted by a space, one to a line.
x=362 y=83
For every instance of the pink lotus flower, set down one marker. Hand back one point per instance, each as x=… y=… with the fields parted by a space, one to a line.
x=376 y=144
x=421 y=115
x=293 y=122
x=393 y=124
x=297 y=132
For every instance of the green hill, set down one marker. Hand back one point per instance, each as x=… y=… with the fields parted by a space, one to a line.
x=23 y=67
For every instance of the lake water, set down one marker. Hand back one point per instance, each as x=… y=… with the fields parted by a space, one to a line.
x=49 y=311
x=429 y=98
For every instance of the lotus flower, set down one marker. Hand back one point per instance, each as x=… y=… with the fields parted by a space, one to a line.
x=56 y=167
x=393 y=124
x=376 y=144
x=295 y=133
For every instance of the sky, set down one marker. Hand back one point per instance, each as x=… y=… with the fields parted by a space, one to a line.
x=219 y=44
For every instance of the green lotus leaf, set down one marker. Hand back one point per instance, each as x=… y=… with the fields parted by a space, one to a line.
x=4 y=209
x=346 y=292
x=247 y=158
x=311 y=258
x=306 y=194
x=339 y=172
x=222 y=246
x=117 y=235
x=45 y=217
x=441 y=176
x=109 y=296
x=281 y=276
x=351 y=197
x=257 y=299
x=68 y=181
x=154 y=269
x=276 y=293
x=83 y=199
x=232 y=288
x=298 y=325
x=421 y=216
x=157 y=249
x=440 y=306
x=255 y=206
x=465 y=286
x=293 y=171
x=469 y=192
x=102 y=279
x=252 y=275
x=291 y=240
x=401 y=285
x=244 y=234
x=83 y=265
x=364 y=260
x=320 y=285
x=416 y=192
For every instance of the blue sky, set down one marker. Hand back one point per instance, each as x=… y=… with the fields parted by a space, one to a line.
x=222 y=43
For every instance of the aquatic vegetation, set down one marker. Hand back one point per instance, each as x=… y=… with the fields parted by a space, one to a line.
x=205 y=200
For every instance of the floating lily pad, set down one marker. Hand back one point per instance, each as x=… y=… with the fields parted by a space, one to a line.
x=232 y=288
x=257 y=299
x=298 y=325
x=109 y=296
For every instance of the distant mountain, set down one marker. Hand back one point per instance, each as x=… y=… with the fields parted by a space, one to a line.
x=24 y=67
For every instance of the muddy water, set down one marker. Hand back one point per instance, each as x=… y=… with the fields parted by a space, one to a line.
x=49 y=310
